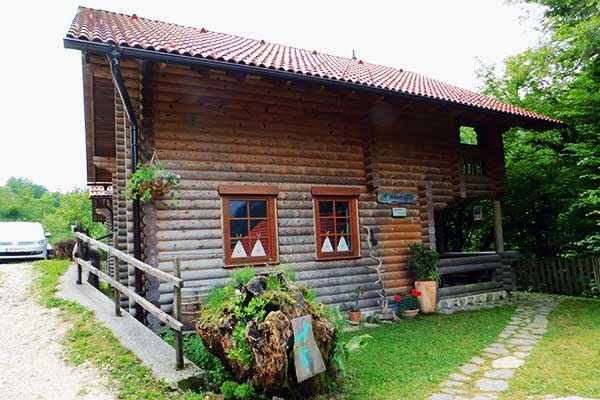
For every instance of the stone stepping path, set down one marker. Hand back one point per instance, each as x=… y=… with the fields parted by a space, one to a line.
x=485 y=376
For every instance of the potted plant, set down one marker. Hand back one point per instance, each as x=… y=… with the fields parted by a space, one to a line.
x=423 y=262
x=354 y=313
x=151 y=181
x=408 y=303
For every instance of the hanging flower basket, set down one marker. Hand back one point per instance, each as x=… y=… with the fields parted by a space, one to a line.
x=151 y=181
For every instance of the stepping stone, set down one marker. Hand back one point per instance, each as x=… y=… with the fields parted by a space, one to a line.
x=524 y=342
x=477 y=360
x=440 y=396
x=500 y=373
x=469 y=368
x=460 y=377
x=525 y=348
x=451 y=384
x=453 y=391
x=497 y=350
x=492 y=385
x=521 y=354
x=507 y=362
x=485 y=397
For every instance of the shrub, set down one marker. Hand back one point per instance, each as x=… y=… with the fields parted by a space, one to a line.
x=423 y=262
x=235 y=391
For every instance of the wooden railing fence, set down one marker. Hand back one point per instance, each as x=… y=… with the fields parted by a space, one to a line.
x=120 y=257
x=559 y=275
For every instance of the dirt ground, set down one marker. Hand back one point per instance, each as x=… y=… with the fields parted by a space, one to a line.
x=31 y=354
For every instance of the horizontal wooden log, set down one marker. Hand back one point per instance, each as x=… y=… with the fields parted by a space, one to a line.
x=151 y=308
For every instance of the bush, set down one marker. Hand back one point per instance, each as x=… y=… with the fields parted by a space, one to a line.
x=235 y=391
x=423 y=262
x=196 y=352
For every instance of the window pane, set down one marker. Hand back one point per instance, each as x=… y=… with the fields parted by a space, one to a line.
x=342 y=209
x=240 y=248
x=258 y=208
x=326 y=208
x=238 y=209
x=259 y=247
x=238 y=228
x=342 y=225
x=327 y=225
x=343 y=244
x=259 y=228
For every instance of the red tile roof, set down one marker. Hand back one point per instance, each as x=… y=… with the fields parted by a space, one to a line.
x=136 y=32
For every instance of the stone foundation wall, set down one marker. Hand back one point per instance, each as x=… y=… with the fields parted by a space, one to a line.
x=472 y=302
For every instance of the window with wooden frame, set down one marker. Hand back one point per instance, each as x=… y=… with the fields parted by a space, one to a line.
x=336 y=223
x=249 y=225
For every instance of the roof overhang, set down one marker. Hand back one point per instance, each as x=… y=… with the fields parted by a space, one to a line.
x=505 y=119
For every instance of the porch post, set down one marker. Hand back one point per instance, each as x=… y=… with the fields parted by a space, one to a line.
x=498 y=226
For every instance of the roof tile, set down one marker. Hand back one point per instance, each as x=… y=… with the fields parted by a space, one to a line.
x=133 y=31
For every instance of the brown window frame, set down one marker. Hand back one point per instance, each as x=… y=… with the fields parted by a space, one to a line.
x=271 y=218
x=352 y=200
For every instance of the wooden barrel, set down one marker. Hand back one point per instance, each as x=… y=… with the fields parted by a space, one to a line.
x=190 y=305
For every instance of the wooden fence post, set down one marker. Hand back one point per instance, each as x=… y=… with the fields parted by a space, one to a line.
x=116 y=292
x=177 y=312
x=79 y=253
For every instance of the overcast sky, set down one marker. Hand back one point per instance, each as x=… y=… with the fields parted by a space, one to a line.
x=42 y=129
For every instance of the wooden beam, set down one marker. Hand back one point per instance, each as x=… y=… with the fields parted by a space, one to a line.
x=498 y=233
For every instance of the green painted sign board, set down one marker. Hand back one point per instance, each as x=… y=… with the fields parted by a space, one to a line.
x=308 y=361
x=397 y=198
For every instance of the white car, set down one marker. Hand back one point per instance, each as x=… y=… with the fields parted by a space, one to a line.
x=23 y=240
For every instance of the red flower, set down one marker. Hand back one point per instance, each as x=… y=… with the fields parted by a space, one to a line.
x=415 y=293
x=397 y=298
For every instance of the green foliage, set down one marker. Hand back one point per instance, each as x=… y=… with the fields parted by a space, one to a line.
x=151 y=177
x=88 y=341
x=409 y=360
x=467 y=135
x=22 y=200
x=423 y=262
x=335 y=316
x=552 y=205
x=242 y=276
x=196 y=352
x=235 y=391
x=342 y=350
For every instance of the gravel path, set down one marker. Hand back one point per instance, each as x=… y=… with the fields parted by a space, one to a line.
x=31 y=358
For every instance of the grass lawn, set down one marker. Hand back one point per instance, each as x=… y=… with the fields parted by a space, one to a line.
x=567 y=359
x=88 y=340
x=409 y=360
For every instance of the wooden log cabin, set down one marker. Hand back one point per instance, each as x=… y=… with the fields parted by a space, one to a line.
x=286 y=156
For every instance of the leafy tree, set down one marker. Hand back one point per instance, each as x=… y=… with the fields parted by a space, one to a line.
x=553 y=201
x=22 y=200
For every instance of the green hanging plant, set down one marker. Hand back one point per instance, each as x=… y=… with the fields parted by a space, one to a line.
x=151 y=181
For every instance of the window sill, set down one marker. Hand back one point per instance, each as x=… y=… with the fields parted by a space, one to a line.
x=337 y=258
x=250 y=263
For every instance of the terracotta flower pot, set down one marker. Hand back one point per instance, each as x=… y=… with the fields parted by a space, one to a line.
x=410 y=313
x=427 y=300
x=354 y=316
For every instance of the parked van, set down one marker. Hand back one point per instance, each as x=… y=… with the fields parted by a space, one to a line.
x=23 y=240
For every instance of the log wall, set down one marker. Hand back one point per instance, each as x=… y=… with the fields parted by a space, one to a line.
x=212 y=127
